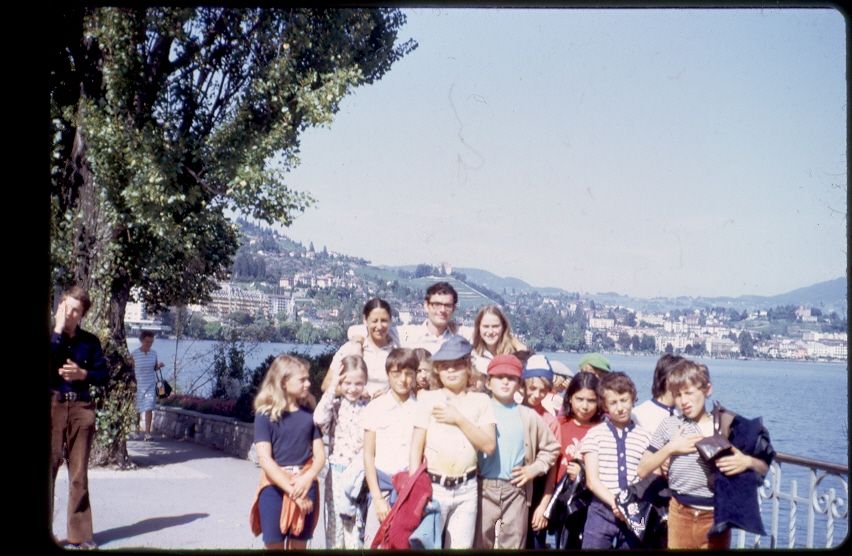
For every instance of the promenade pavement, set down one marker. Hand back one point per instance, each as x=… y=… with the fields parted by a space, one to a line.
x=180 y=496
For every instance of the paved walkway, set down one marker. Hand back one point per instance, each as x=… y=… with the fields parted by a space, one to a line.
x=181 y=496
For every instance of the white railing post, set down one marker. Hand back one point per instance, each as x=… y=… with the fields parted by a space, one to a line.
x=791 y=526
x=809 y=539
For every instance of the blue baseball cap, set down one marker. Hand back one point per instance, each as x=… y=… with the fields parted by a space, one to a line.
x=455 y=347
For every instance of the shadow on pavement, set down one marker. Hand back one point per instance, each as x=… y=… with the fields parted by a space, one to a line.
x=147 y=454
x=145 y=526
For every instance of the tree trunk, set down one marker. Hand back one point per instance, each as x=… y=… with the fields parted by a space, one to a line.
x=109 y=288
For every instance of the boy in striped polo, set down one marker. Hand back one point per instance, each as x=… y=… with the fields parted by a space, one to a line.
x=691 y=506
x=611 y=452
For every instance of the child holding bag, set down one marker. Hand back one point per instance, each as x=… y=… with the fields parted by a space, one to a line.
x=692 y=502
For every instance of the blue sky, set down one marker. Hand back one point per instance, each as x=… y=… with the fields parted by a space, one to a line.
x=647 y=152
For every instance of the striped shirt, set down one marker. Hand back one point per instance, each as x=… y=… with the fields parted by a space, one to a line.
x=689 y=474
x=618 y=450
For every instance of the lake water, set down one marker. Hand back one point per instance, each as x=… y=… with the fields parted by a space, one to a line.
x=803 y=404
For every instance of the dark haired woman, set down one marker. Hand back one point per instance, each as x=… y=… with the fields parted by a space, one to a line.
x=374 y=348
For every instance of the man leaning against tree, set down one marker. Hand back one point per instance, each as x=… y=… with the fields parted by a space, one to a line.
x=76 y=362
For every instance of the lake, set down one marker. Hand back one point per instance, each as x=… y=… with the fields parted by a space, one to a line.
x=803 y=404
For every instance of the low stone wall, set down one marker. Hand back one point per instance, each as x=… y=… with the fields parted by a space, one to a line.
x=223 y=433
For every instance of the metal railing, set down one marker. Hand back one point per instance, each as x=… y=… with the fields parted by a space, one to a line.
x=823 y=506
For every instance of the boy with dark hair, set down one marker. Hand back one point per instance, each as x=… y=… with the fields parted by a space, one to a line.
x=388 y=424
x=611 y=453
x=650 y=413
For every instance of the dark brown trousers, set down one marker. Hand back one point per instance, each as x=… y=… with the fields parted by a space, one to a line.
x=72 y=431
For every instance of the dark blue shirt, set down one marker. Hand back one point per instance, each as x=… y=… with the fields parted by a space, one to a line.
x=292 y=436
x=85 y=350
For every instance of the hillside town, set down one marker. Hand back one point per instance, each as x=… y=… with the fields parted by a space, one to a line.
x=282 y=291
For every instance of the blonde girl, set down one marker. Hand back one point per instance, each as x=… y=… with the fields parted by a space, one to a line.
x=290 y=453
x=492 y=335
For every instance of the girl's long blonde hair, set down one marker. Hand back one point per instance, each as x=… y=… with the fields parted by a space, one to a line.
x=507 y=343
x=271 y=398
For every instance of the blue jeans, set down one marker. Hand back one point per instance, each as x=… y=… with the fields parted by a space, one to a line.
x=604 y=530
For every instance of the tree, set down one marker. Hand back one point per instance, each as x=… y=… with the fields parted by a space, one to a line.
x=648 y=343
x=162 y=118
x=422 y=270
x=746 y=344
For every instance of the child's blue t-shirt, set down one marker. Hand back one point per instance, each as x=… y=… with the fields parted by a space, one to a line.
x=291 y=436
x=510 y=443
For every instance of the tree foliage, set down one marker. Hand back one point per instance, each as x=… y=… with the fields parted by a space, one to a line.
x=163 y=118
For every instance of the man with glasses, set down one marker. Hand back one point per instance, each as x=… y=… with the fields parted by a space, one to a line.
x=440 y=304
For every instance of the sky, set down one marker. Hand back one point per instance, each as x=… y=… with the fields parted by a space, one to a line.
x=647 y=152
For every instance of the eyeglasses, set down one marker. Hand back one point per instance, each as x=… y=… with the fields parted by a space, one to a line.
x=439 y=305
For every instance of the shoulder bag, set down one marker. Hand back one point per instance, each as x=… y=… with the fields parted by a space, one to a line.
x=164 y=389
x=716 y=446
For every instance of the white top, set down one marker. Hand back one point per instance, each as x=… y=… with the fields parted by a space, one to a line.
x=650 y=414
x=419 y=336
x=393 y=423
x=408 y=335
x=448 y=451
x=375 y=358
x=480 y=362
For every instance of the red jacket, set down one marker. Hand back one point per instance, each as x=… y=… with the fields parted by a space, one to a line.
x=414 y=493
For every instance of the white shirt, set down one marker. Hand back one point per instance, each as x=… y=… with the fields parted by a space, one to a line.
x=480 y=362
x=420 y=336
x=393 y=423
x=650 y=413
x=408 y=335
x=375 y=358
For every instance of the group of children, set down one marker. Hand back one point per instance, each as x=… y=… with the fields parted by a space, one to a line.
x=494 y=455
